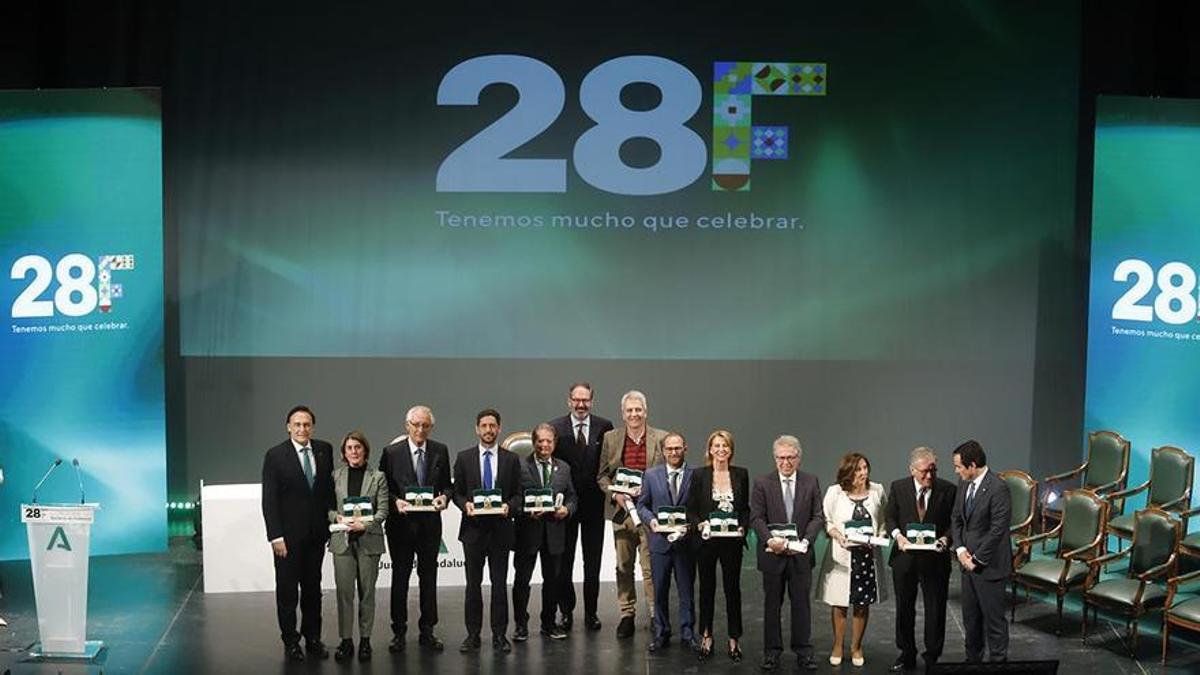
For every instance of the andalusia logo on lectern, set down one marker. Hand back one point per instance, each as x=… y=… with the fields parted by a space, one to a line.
x=59 y=540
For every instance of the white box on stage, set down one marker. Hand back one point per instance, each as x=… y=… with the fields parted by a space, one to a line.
x=237 y=556
x=59 y=545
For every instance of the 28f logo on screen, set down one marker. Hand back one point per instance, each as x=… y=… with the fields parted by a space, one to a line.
x=479 y=164
x=83 y=286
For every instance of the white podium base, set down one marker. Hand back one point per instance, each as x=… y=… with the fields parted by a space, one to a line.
x=91 y=650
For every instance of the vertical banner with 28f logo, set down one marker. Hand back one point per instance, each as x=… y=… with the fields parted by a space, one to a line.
x=81 y=351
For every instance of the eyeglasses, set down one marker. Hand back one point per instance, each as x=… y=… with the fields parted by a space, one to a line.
x=932 y=469
x=419 y=425
x=581 y=400
x=787 y=458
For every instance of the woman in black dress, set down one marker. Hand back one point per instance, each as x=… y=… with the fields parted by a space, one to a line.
x=720 y=487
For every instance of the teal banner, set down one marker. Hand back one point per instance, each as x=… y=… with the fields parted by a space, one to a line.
x=81 y=352
x=1143 y=331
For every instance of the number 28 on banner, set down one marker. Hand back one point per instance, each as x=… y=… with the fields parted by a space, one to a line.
x=1173 y=289
x=82 y=285
x=480 y=165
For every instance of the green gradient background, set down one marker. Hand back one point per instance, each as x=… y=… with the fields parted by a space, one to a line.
x=931 y=178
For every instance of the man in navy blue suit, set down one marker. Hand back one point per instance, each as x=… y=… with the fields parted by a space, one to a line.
x=670 y=553
x=979 y=532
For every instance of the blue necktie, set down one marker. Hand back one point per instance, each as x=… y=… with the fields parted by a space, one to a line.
x=487 y=470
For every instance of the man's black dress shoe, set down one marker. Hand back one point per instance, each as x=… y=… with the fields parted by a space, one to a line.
x=521 y=633
x=690 y=644
x=397 y=644
x=769 y=663
x=807 y=662
x=431 y=641
x=316 y=649
x=364 y=649
x=658 y=644
x=293 y=652
x=501 y=644
x=554 y=633
x=567 y=623
x=469 y=644
x=625 y=628
x=592 y=622
x=344 y=651
x=901 y=665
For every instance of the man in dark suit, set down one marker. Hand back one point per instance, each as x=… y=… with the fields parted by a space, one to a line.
x=486 y=538
x=979 y=532
x=297 y=495
x=636 y=445
x=667 y=485
x=579 y=434
x=785 y=570
x=415 y=461
x=543 y=534
x=921 y=497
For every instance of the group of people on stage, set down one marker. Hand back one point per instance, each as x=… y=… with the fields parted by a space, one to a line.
x=581 y=464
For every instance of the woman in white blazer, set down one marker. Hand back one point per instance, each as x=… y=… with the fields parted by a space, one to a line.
x=851 y=574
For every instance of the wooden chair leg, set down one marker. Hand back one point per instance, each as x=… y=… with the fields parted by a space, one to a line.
x=1166 y=632
x=1083 y=628
x=1058 y=624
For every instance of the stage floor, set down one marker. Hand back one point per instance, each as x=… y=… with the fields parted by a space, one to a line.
x=152 y=613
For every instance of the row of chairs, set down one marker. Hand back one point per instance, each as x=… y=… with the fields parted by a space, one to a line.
x=1084 y=519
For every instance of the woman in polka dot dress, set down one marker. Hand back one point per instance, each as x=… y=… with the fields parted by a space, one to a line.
x=852 y=577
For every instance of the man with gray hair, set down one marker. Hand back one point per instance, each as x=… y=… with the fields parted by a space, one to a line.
x=923 y=498
x=790 y=497
x=415 y=460
x=639 y=446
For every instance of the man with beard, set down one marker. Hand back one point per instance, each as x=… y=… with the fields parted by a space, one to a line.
x=485 y=537
x=579 y=435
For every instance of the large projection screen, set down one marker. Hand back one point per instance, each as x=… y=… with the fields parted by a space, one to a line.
x=850 y=224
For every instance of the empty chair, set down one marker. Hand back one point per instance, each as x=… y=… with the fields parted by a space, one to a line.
x=1169 y=488
x=1180 y=610
x=1023 y=489
x=1104 y=470
x=1080 y=536
x=1152 y=557
x=1190 y=544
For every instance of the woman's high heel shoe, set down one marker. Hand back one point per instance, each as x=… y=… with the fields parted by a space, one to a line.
x=705 y=652
x=735 y=653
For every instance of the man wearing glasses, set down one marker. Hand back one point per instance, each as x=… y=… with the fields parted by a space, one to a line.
x=579 y=434
x=920 y=498
x=415 y=460
x=784 y=496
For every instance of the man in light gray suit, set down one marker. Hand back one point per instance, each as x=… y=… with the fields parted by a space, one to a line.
x=636 y=445
x=784 y=569
x=543 y=534
x=979 y=535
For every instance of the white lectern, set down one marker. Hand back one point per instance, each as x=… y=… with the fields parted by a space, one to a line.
x=59 y=538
